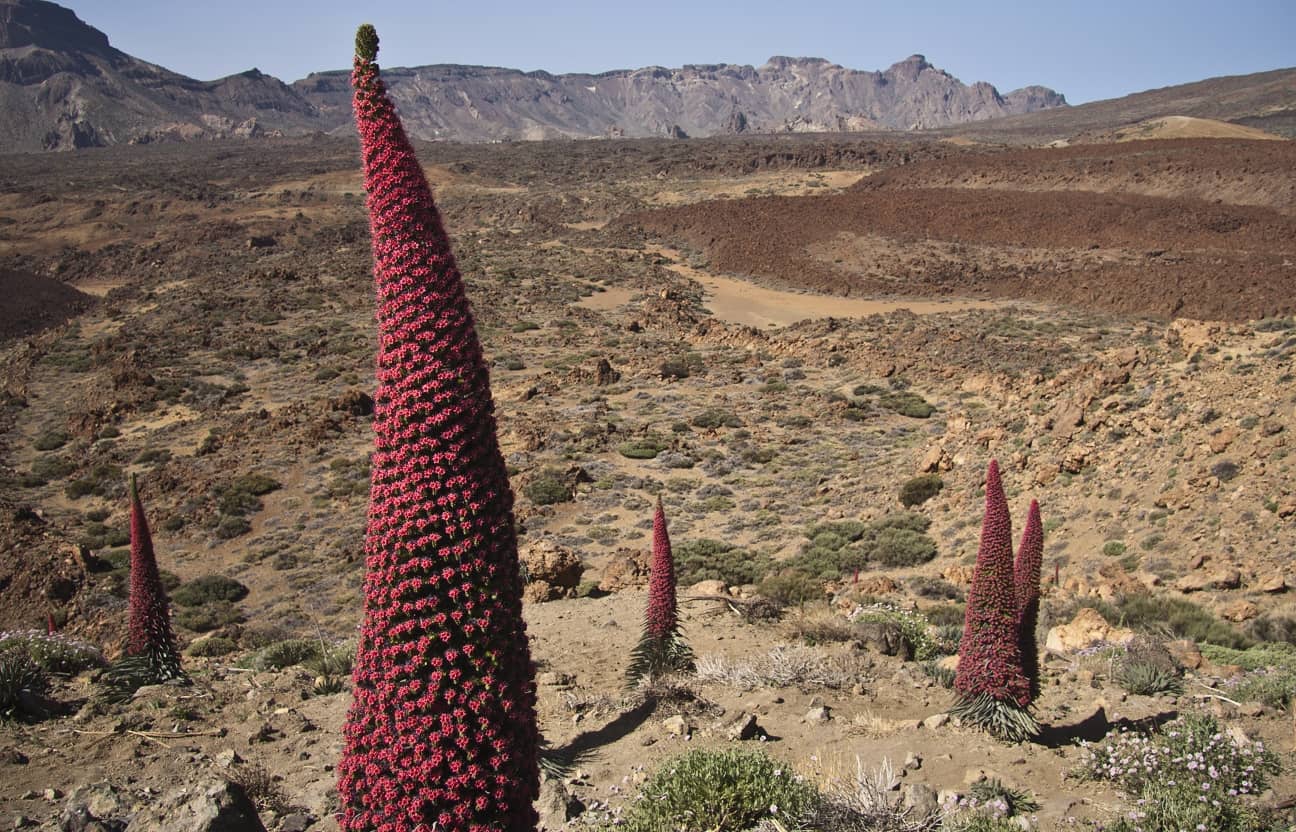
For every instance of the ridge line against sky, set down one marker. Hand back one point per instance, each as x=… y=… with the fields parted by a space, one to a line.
x=1087 y=51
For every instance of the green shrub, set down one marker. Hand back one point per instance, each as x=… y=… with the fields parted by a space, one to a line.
x=1258 y=657
x=282 y=654
x=51 y=467
x=51 y=440
x=716 y=418
x=902 y=547
x=232 y=526
x=213 y=647
x=547 y=489
x=103 y=480
x=206 y=589
x=1192 y=774
x=525 y=326
x=674 y=368
x=791 y=587
x=646 y=447
x=20 y=679
x=707 y=560
x=208 y=617
x=906 y=404
x=1180 y=617
x=52 y=652
x=720 y=791
x=910 y=520
x=333 y=659
x=1274 y=688
x=1114 y=548
x=914 y=626
x=946 y=615
x=867 y=390
x=920 y=489
x=1145 y=678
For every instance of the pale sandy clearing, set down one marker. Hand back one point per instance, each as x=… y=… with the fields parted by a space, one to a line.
x=1187 y=127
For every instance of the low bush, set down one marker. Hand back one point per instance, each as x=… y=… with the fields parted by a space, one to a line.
x=721 y=791
x=902 y=547
x=1146 y=679
x=646 y=447
x=21 y=681
x=914 y=625
x=51 y=440
x=906 y=404
x=213 y=647
x=208 y=617
x=707 y=560
x=282 y=654
x=716 y=418
x=791 y=587
x=1192 y=774
x=547 y=489
x=52 y=652
x=920 y=489
x=206 y=589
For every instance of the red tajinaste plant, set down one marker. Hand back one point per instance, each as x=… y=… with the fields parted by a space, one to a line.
x=661 y=648
x=149 y=632
x=1026 y=586
x=442 y=730
x=993 y=692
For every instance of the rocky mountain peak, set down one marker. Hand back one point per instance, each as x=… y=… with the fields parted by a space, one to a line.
x=48 y=26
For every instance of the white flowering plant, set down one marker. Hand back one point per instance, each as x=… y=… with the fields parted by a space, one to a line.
x=1193 y=774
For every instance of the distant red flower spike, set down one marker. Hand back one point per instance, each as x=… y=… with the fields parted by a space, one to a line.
x=1026 y=586
x=661 y=648
x=149 y=630
x=441 y=537
x=990 y=654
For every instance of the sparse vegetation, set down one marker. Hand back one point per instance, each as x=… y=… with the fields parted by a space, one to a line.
x=920 y=489
x=721 y=791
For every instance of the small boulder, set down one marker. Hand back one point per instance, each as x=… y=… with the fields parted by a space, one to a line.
x=1088 y=627
x=555 y=566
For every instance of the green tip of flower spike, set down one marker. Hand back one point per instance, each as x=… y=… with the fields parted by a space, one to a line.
x=134 y=489
x=367 y=42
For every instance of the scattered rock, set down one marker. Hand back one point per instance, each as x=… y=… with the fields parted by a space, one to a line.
x=921 y=800
x=744 y=728
x=1274 y=583
x=1239 y=611
x=207 y=806
x=354 y=402
x=886 y=637
x=936 y=721
x=1224 y=578
x=228 y=757
x=818 y=715
x=677 y=726
x=1185 y=653
x=1087 y=628
x=552 y=678
x=557 y=804
x=627 y=568
x=555 y=567
x=913 y=761
x=12 y=757
x=295 y=822
x=262 y=241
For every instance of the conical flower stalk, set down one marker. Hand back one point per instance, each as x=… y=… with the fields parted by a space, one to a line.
x=149 y=631
x=442 y=730
x=661 y=648
x=992 y=689
x=1026 y=584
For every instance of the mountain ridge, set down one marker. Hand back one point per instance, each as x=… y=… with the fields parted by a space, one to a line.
x=63 y=85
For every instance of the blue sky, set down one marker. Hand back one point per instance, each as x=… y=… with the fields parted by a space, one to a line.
x=1086 y=50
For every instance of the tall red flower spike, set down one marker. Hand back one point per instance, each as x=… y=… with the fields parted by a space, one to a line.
x=442 y=731
x=1026 y=586
x=149 y=632
x=662 y=617
x=990 y=678
x=661 y=648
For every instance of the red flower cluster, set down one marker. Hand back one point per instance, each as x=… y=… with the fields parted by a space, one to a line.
x=149 y=632
x=1026 y=586
x=442 y=731
x=990 y=652
x=662 y=618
